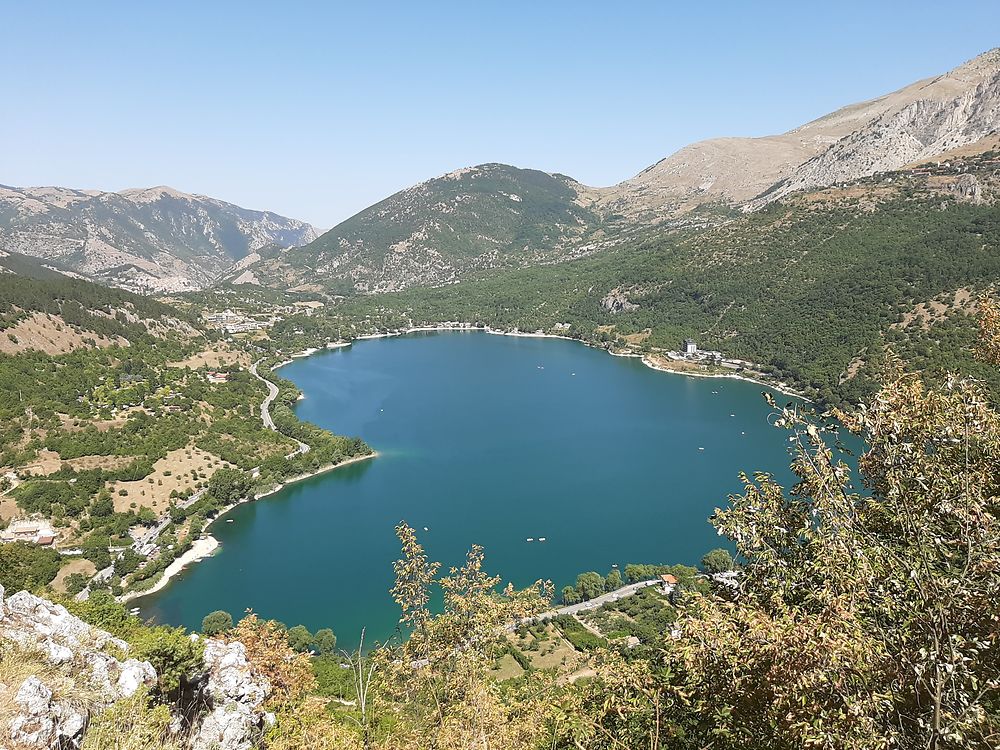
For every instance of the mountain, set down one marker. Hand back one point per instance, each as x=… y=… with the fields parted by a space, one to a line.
x=146 y=240
x=917 y=121
x=433 y=233
x=497 y=216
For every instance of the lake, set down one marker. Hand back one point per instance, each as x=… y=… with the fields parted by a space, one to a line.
x=486 y=440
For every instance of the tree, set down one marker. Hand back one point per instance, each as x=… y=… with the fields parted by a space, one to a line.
x=96 y=549
x=717 y=561
x=103 y=507
x=441 y=673
x=613 y=580
x=27 y=566
x=75 y=583
x=863 y=619
x=589 y=585
x=299 y=638
x=570 y=595
x=229 y=485
x=325 y=641
x=127 y=562
x=217 y=622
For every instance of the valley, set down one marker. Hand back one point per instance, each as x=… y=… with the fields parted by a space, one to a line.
x=768 y=520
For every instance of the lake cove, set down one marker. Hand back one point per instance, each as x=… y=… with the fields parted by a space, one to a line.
x=489 y=440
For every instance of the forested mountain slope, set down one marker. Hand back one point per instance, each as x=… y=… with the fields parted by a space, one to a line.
x=122 y=419
x=481 y=217
x=155 y=239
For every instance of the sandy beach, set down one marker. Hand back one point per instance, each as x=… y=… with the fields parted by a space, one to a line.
x=203 y=547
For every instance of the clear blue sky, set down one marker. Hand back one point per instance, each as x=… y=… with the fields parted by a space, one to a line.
x=316 y=110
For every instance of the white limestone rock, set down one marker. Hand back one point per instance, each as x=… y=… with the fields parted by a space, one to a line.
x=235 y=695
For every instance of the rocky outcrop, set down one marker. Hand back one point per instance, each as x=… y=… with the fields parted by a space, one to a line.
x=615 y=301
x=43 y=722
x=968 y=188
x=80 y=659
x=235 y=697
x=79 y=672
x=954 y=110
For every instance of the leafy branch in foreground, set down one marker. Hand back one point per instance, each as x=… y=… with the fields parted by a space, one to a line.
x=436 y=681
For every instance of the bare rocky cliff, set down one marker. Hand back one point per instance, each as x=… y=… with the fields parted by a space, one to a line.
x=959 y=108
x=918 y=121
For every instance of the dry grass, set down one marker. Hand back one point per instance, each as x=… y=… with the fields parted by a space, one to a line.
x=925 y=314
x=52 y=335
x=131 y=724
x=637 y=338
x=70 y=424
x=989 y=143
x=8 y=508
x=553 y=652
x=173 y=472
x=48 y=462
x=217 y=356
x=78 y=565
x=507 y=668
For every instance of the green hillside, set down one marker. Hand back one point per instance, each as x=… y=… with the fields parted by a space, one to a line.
x=488 y=216
x=118 y=411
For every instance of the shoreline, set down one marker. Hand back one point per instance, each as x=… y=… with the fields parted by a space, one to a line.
x=207 y=545
x=779 y=387
x=204 y=546
x=783 y=388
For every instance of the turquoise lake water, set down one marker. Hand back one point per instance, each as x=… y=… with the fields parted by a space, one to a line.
x=488 y=440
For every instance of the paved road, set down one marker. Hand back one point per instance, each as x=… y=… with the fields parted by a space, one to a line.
x=265 y=408
x=272 y=393
x=572 y=609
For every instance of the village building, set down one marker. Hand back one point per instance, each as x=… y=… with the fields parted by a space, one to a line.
x=667 y=583
x=35 y=532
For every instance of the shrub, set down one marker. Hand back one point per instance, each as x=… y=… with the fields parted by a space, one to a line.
x=172 y=652
x=216 y=622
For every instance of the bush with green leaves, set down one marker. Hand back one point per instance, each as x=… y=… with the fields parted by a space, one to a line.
x=217 y=622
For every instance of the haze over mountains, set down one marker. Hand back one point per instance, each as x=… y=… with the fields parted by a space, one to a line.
x=491 y=215
x=146 y=240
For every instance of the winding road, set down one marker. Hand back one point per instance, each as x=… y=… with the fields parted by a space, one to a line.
x=265 y=408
